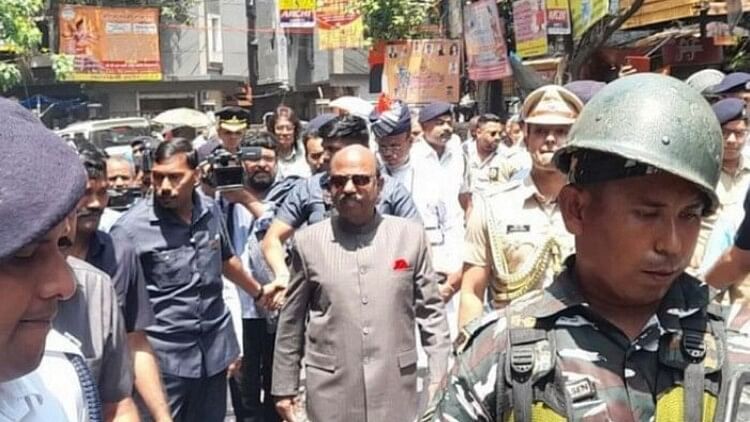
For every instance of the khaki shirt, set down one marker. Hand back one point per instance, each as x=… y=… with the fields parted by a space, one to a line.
x=496 y=169
x=524 y=224
x=731 y=190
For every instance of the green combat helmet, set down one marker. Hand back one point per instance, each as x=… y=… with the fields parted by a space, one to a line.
x=642 y=124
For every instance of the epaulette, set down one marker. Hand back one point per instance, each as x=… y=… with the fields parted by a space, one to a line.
x=472 y=329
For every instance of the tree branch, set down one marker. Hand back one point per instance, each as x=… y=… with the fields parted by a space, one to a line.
x=596 y=36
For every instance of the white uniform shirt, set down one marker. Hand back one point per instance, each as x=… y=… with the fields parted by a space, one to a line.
x=50 y=393
x=60 y=377
x=431 y=203
x=449 y=174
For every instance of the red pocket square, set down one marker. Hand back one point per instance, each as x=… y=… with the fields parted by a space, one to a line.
x=400 y=264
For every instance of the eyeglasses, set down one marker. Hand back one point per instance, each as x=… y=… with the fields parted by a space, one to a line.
x=391 y=147
x=339 y=181
x=738 y=133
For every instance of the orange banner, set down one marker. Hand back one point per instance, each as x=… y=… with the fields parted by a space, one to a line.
x=111 y=44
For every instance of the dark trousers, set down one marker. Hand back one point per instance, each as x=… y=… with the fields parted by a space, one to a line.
x=257 y=363
x=197 y=399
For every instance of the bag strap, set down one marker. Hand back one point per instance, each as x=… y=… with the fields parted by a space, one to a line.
x=524 y=334
x=694 y=349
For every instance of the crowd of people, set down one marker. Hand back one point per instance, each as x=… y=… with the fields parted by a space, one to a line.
x=582 y=260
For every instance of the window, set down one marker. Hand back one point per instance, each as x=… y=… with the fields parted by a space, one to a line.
x=214 y=34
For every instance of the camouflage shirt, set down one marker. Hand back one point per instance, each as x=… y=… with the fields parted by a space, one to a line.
x=597 y=373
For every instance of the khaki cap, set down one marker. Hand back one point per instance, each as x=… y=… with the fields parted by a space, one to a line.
x=551 y=105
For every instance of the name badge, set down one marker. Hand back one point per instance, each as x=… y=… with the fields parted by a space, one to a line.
x=517 y=228
x=582 y=389
x=494 y=174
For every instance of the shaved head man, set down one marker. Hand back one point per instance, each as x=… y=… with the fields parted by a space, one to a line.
x=388 y=259
x=355 y=183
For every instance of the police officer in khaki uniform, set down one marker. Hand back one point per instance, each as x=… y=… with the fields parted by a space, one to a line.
x=515 y=237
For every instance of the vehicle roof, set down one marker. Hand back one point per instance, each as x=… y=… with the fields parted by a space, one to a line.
x=105 y=124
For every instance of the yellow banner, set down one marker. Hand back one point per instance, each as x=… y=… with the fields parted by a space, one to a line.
x=422 y=71
x=530 y=27
x=111 y=44
x=339 y=25
x=586 y=13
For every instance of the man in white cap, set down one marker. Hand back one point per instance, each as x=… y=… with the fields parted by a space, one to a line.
x=515 y=236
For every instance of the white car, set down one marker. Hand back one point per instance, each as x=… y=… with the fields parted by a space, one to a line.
x=111 y=135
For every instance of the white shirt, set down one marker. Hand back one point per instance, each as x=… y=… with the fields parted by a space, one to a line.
x=435 y=184
x=60 y=377
x=37 y=397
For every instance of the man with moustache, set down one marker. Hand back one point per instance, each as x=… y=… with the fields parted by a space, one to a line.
x=41 y=181
x=492 y=162
x=249 y=214
x=310 y=201
x=89 y=317
x=181 y=241
x=361 y=280
x=515 y=236
x=437 y=145
x=623 y=333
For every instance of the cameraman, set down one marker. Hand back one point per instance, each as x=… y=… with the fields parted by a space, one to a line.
x=118 y=260
x=231 y=127
x=249 y=213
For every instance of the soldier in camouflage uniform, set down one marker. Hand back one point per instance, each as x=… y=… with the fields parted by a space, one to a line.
x=622 y=334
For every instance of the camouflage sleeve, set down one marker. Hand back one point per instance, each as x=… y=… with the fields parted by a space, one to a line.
x=468 y=392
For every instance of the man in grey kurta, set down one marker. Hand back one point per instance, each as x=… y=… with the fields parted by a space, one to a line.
x=360 y=280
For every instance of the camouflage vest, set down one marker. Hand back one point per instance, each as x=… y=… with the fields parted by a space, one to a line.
x=536 y=395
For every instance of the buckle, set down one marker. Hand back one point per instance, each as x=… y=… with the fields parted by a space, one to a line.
x=522 y=360
x=693 y=345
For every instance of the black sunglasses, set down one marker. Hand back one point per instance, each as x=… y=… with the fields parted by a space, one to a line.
x=339 y=181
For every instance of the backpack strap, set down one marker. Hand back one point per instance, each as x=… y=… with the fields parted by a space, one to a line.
x=694 y=349
x=717 y=321
x=529 y=357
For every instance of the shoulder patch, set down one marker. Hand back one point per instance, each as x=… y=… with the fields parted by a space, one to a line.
x=473 y=328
